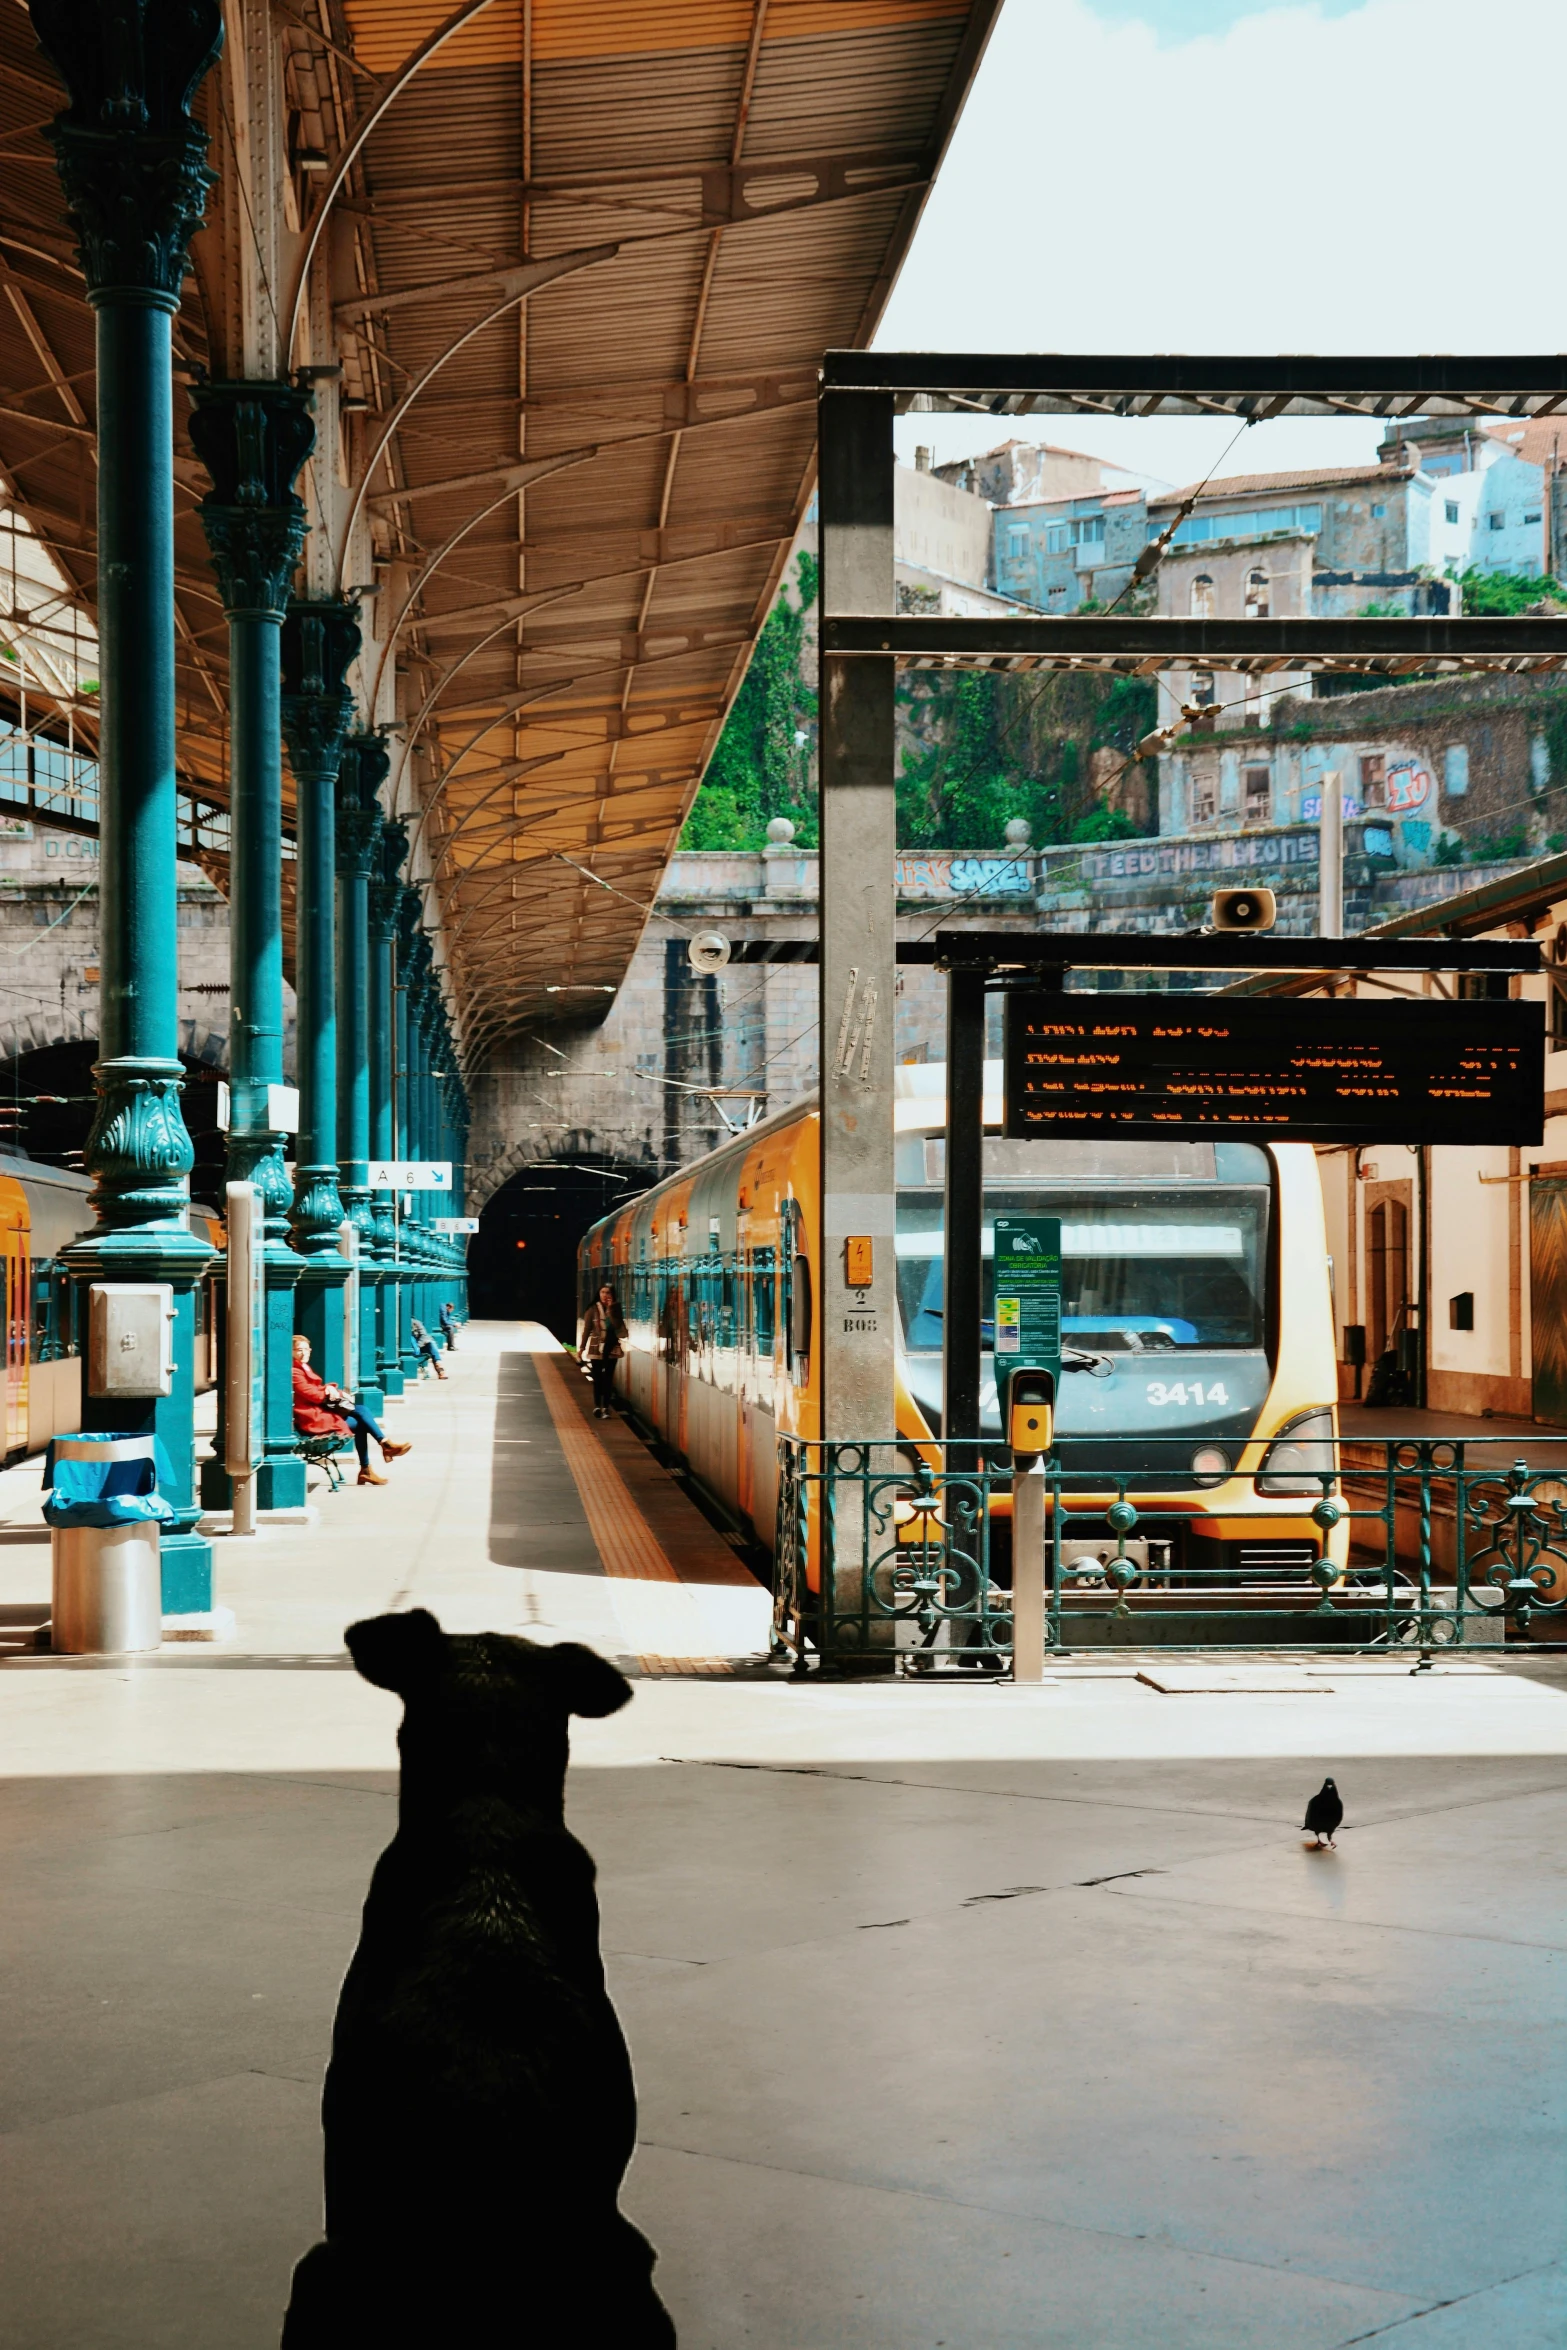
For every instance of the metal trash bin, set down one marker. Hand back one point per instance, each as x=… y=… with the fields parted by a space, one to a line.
x=105 y=1517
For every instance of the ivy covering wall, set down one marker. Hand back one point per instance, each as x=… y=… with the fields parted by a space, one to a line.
x=974 y=749
x=765 y=762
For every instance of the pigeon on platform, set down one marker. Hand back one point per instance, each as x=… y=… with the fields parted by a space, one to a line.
x=1324 y=1813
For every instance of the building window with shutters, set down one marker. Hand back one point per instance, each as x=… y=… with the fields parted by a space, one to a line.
x=1256 y=794
x=1373 y=779
x=1257 y=602
x=1202 y=597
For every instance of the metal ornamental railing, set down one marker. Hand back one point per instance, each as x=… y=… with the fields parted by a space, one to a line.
x=891 y=1556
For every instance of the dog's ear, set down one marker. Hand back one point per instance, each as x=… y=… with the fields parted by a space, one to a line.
x=584 y=1682
x=398 y=1652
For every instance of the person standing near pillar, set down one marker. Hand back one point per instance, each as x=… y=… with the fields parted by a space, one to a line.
x=253 y=437
x=359 y=822
x=132 y=164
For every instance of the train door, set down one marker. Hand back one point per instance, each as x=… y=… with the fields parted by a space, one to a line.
x=671 y=1348
x=18 y=1329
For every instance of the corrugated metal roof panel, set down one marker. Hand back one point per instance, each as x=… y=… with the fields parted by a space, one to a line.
x=671 y=542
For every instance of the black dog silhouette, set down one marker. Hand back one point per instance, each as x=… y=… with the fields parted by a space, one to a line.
x=479 y=2108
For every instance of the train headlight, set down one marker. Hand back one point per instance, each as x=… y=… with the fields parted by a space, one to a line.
x=1300 y=1456
x=1210 y=1464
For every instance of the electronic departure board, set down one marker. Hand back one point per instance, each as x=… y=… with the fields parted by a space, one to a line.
x=1290 y=1069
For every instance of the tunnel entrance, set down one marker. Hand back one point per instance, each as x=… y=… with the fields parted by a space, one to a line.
x=522 y=1262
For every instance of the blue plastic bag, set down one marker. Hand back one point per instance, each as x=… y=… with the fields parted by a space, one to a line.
x=106 y=1493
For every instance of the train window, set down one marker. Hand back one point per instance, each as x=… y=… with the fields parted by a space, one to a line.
x=800 y=1320
x=762 y=1316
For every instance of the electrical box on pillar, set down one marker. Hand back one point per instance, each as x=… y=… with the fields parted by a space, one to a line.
x=130 y=1338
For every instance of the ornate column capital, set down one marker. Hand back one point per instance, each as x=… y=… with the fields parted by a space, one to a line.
x=410 y=937
x=131 y=158
x=386 y=880
x=320 y=642
x=253 y=438
x=359 y=819
x=139 y=1153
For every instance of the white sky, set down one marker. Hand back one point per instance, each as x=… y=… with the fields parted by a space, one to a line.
x=1217 y=175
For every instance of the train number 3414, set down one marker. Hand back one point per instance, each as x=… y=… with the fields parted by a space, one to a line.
x=1187 y=1391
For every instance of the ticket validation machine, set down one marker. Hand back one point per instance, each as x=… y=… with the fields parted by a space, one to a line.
x=1028 y=1370
x=1031 y=1411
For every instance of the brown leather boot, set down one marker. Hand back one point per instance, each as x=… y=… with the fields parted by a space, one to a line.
x=394 y=1452
x=370 y=1477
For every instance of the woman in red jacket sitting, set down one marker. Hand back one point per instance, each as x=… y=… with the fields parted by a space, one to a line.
x=320 y=1410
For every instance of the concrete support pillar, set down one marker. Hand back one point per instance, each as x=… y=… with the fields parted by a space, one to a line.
x=963 y=1230
x=386 y=889
x=132 y=166
x=858 y=964
x=253 y=437
x=320 y=640
x=359 y=823
x=858 y=982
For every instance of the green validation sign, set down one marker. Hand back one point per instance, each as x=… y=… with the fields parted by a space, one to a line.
x=1028 y=1293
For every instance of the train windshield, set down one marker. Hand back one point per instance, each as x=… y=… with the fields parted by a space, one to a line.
x=1164 y=1253
x=1141 y=1272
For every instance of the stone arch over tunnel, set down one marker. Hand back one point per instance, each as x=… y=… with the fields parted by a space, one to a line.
x=522 y=1262
x=47 y=1096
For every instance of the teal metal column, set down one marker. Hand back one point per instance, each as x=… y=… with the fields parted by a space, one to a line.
x=429 y=1148
x=460 y=1195
x=320 y=639
x=253 y=438
x=408 y=937
x=386 y=891
x=418 y=1148
x=359 y=824
x=132 y=164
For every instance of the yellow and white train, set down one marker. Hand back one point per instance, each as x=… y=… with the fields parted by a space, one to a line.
x=1195 y=1307
x=42 y=1208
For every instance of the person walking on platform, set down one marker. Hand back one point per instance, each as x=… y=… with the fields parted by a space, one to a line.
x=602 y=1342
x=449 y=1327
x=320 y=1410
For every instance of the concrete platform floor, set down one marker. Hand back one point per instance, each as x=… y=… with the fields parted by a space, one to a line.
x=968 y=2016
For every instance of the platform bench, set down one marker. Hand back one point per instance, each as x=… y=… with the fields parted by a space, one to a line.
x=322 y=1452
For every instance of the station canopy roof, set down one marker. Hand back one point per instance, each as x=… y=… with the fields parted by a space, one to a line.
x=585 y=258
